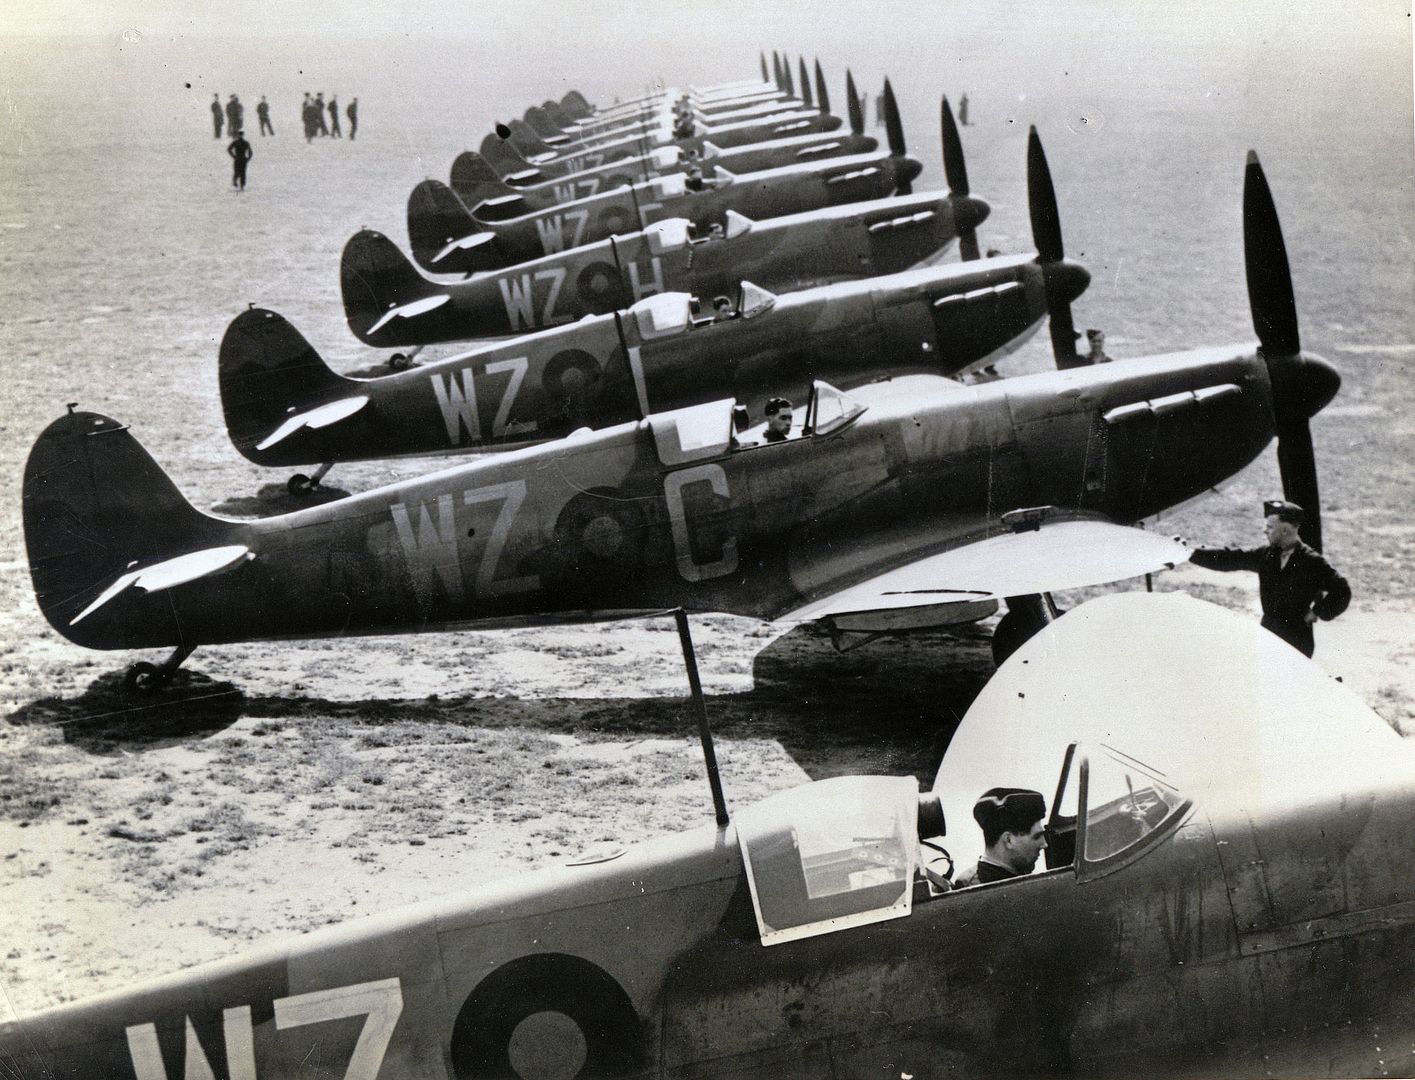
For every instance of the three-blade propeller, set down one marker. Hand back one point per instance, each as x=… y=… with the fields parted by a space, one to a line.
x=907 y=169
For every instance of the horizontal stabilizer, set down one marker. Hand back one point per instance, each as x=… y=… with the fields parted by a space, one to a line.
x=470 y=242
x=1056 y=555
x=315 y=418
x=443 y=234
x=172 y=572
x=410 y=311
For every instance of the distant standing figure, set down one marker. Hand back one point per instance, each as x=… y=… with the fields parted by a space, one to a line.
x=241 y=153
x=234 y=115
x=307 y=117
x=1097 y=355
x=963 y=110
x=352 y=112
x=262 y=112
x=217 y=116
x=317 y=114
x=334 y=117
x=1295 y=584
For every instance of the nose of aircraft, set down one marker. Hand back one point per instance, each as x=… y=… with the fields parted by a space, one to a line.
x=1313 y=382
x=1066 y=281
x=969 y=212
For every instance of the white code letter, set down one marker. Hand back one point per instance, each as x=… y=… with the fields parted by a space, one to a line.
x=458 y=405
x=513 y=493
x=433 y=547
x=381 y=1002
x=673 y=485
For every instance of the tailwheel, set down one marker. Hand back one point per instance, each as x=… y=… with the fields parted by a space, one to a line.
x=147 y=678
x=401 y=361
x=300 y=484
x=143 y=678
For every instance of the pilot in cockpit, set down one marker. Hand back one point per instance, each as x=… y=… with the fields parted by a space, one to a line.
x=722 y=309
x=1013 y=834
x=778 y=420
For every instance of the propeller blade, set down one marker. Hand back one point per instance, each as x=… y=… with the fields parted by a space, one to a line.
x=852 y=101
x=1065 y=281
x=822 y=95
x=762 y=57
x=957 y=173
x=1302 y=385
x=893 y=126
x=805 y=85
x=1041 y=200
x=786 y=74
x=1269 y=278
x=1297 y=465
x=953 y=165
x=776 y=70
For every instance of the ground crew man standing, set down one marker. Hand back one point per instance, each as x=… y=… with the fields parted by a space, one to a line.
x=1296 y=585
x=241 y=154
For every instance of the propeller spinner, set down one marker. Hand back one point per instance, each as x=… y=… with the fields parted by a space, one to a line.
x=1302 y=384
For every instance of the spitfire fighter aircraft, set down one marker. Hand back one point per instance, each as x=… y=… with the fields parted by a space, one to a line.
x=284 y=406
x=388 y=303
x=1201 y=912
x=505 y=235
x=917 y=499
x=477 y=177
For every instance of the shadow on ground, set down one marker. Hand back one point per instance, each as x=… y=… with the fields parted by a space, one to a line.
x=109 y=719
x=273 y=499
x=888 y=707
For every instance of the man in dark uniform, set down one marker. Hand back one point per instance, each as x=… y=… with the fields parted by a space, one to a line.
x=333 y=107
x=778 y=420
x=241 y=153
x=1011 y=820
x=1296 y=585
x=352 y=112
x=262 y=111
x=217 y=115
x=235 y=114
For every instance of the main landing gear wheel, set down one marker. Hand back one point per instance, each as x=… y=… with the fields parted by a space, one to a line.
x=1025 y=616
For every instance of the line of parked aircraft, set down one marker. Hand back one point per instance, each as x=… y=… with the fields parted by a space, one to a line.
x=1191 y=920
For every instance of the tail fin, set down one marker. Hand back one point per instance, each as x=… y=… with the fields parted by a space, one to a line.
x=576 y=104
x=527 y=140
x=94 y=502
x=445 y=238
x=474 y=180
x=541 y=122
x=376 y=278
x=267 y=371
x=508 y=163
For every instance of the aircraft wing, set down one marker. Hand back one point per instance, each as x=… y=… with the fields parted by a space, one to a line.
x=1052 y=556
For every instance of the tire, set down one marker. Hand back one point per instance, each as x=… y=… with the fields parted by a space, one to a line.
x=556 y=993
x=399 y=362
x=143 y=678
x=298 y=484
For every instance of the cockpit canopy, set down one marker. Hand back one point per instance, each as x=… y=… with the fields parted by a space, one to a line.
x=670 y=234
x=705 y=431
x=831 y=855
x=662 y=315
x=672 y=186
